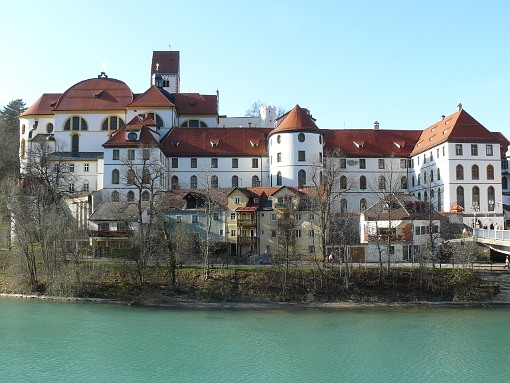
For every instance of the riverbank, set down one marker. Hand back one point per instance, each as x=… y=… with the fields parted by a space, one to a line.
x=273 y=288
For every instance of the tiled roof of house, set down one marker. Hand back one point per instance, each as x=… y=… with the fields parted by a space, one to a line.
x=219 y=142
x=116 y=211
x=457 y=127
x=297 y=120
x=371 y=142
x=119 y=138
x=403 y=206
x=95 y=94
x=153 y=97
x=44 y=105
x=195 y=104
x=168 y=61
x=503 y=141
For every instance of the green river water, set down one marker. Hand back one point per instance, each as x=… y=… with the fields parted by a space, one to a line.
x=44 y=341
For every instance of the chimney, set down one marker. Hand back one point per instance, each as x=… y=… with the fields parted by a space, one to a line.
x=249 y=124
x=459 y=106
x=376 y=125
x=442 y=117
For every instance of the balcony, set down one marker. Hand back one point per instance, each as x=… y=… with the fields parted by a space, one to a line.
x=110 y=233
x=246 y=223
x=246 y=240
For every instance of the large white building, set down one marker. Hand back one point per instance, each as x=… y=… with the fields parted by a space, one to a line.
x=99 y=128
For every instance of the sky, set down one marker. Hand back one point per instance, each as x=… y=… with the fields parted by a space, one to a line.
x=401 y=63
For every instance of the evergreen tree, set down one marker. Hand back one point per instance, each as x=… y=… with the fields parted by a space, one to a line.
x=9 y=138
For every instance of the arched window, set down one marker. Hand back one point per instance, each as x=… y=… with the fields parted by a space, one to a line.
x=145 y=195
x=432 y=176
x=146 y=176
x=418 y=177
x=419 y=196
x=75 y=145
x=49 y=128
x=476 y=196
x=475 y=174
x=301 y=178
x=115 y=196
x=23 y=129
x=425 y=196
x=112 y=123
x=363 y=182
x=438 y=174
x=193 y=182
x=194 y=124
x=235 y=181
x=490 y=172
x=491 y=198
x=403 y=182
x=439 y=202
x=174 y=182
x=382 y=182
x=343 y=182
x=301 y=137
x=279 y=179
x=425 y=178
x=130 y=176
x=130 y=196
x=412 y=181
x=255 y=181
x=214 y=182
x=504 y=183
x=115 y=176
x=343 y=206
x=362 y=205
x=156 y=118
x=459 y=172
x=460 y=196
x=75 y=123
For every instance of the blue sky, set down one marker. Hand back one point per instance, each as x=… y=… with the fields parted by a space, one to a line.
x=402 y=63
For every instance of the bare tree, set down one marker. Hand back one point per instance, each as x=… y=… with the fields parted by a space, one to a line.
x=254 y=110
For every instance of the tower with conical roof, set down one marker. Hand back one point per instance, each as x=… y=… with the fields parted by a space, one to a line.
x=295 y=148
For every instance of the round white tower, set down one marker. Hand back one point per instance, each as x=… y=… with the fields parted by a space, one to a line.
x=295 y=149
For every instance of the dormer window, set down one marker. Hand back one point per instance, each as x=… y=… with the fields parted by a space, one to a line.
x=214 y=143
x=254 y=144
x=359 y=144
x=132 y=136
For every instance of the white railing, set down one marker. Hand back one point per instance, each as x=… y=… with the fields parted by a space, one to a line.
x=502 y=235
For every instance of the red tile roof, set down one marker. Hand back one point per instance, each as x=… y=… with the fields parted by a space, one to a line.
x=153 y=98
x=229 y=142
x=43 y=105
x=195 y=103
x=96 y=94
x=168 y=61
x=297 y=120
x=371 y=142
x=119 y=138
x=503 y=143
x=458 y=127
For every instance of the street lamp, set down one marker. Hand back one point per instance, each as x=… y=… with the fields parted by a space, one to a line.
x=474 y=208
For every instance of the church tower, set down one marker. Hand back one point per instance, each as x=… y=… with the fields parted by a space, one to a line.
x=295 y=148
x=165 y=69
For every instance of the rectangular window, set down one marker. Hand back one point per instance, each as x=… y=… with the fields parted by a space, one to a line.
x=381 y=163
x=86 y=186
x=85 y=167
x=488 y=150
x=437 y=152
x=474 y=149
x=71 y=186
x=298 y=216
x=311 y=233
x=232 y=233
x=343 y=163
x=175 y=162
x=131 y=154
x=444 y=150
x=273 y=233
x=254 y=163
x=194 y=218
x=273 y=217
x=392 y=249
x=298 y=233
x=504 y=164
x=221 y=233
x=194 y=163
x=278 y=157
x=216 y=216
x=403 y=164
x=146 y=154
x=417 y=230
x=232 y=216
x=301 y=155
x=237 y=200
x=235 y=163
x=116 y=154
x=214 y=163
x=311 y=249
x=458 y=149
x=362 y=163
x=311 y=217
x=431 y=155
x=424 y=158
x=178 y=218
x=71 y=168
x=104 y=227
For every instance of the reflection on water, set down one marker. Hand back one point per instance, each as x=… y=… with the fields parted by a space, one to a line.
x=48 y=341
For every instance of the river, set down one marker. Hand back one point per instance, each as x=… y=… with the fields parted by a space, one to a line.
x=43 y=341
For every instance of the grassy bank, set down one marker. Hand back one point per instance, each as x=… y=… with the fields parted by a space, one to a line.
x=271 y=284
